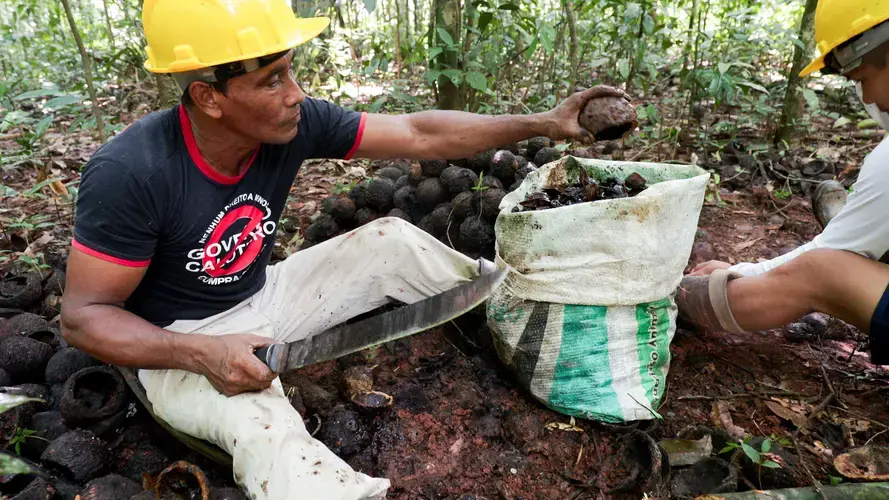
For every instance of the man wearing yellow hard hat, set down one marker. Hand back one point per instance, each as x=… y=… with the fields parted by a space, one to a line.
x=176 y=220
x=839 y=272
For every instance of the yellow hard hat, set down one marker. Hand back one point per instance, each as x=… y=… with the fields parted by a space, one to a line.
x=839 y=21
x=187 y=35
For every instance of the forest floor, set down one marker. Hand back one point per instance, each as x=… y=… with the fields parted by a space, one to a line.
x=460 y=427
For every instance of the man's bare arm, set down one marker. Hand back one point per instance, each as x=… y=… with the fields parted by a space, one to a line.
x=458 y=134
x=94 y=321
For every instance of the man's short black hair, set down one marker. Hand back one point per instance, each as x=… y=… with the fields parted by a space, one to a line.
x=188 y=102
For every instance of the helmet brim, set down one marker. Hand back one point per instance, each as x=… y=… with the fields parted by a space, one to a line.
x=816 y=65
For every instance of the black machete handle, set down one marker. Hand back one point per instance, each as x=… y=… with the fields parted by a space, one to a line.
x=272 y=356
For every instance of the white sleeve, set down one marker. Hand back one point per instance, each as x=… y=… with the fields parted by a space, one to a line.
x=862 y=226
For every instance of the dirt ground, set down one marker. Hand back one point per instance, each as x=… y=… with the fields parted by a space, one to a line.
x=461 y=429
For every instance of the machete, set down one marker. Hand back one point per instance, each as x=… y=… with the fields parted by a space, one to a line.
x=398 y=323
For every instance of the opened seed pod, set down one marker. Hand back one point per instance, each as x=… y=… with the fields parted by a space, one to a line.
x=227 y=494
x=24 y=358
x=372 y=400
x=110 y=487
x=144 y=459
x=37 y=489
x=78 y=452
x=608 y=118
x=709 y=475
x=639 y=465
x=67 y=362
x=23 y=324
x=55 y=283
x=182 y=480
x=20 y=291
x=48 y=335
x=47 y=426
x=51 y=306
x=92 y=395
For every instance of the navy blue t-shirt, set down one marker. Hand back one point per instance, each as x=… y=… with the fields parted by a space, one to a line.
x=148 y=198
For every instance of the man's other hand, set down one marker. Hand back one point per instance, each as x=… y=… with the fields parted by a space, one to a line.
x=707 y=268
x=563 y=122
x=229 y=363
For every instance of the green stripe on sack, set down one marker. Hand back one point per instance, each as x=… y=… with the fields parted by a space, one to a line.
x=582 y=378
x=653 y=319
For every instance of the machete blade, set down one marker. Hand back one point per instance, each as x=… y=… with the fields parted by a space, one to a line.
x=398 y=323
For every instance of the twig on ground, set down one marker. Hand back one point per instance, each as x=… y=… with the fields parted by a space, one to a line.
x=762 y=394
x=828 y=399
x=858 y=415
x=781 y=210
x=874 y=436
x=802 y=461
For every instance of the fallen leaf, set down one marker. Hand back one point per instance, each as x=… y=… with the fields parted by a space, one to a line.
x=828 y=153
x=58 y=188
x=745 y=245
x=562 y=427
x=37 y=244
x=722 y=417
x=798 y=419
x=822 y=450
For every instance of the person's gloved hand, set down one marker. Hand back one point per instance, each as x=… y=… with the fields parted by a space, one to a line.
x=229 y=363
x=563 y=122
x=707 y=268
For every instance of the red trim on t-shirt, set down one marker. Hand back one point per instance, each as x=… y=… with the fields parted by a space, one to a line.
x=199 y=160
x=104 y=256
x=357 y=137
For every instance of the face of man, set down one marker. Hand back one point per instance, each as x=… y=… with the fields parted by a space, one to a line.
x=262 y=104
x=873 y=76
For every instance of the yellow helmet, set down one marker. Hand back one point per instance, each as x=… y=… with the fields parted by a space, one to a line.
x=841 y=21
x=188 y=35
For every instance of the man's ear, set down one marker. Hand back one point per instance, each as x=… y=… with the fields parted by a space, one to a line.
x=205 y=97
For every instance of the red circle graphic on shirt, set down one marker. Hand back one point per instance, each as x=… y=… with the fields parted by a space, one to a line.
x=238 y=250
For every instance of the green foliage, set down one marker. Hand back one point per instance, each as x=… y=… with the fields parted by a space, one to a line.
x=342 y=186
x=20 y=436
x=10 y=465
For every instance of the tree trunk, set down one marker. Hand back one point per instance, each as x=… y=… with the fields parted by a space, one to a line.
x=792 y=109
x=692 y=35
x=108 y=22
x=448 y=18
x=573 y=45
x=166 y=94
x=636 y=56
x=418 y=14
x=398 y=12
x=87 y=72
